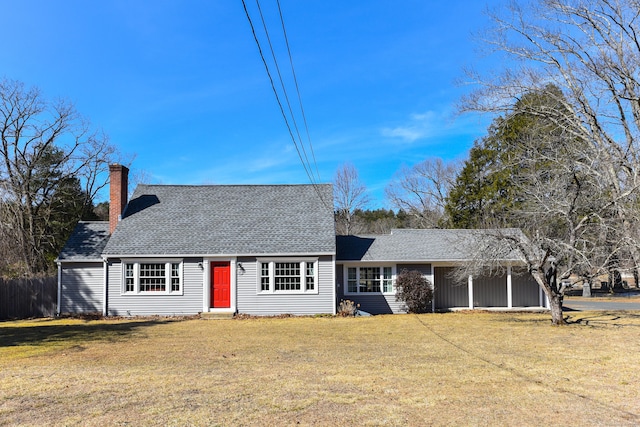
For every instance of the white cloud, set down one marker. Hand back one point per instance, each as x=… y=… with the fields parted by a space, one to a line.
x=431 y=124
x=419 y=126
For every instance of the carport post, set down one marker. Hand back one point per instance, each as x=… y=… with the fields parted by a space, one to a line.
x=509 y=288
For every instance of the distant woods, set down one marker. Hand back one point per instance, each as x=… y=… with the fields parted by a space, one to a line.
x=377 y=221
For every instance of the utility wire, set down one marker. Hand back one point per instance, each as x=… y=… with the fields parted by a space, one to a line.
x=275 y=92
x=284 y=88
x=306 y=165
x=295 y=80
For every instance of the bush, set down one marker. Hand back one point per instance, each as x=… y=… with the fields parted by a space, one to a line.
x=347 y=308
x=415 y=291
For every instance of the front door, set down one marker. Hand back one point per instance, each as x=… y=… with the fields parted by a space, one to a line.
x=220 y=285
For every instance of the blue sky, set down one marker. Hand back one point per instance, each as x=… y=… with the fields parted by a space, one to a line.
x=180 y=84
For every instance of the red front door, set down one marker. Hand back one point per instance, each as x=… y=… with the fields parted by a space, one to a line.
x=220 y=285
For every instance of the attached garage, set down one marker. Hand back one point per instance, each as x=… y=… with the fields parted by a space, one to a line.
x=81 y=271
x=82 y=286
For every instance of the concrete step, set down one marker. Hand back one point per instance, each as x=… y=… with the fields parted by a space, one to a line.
x=212 y=315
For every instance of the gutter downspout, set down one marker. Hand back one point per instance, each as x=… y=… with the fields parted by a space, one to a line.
x=59 y=297
x=105 y=281
x=335 y=283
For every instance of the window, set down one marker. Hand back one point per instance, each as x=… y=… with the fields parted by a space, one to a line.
x=129 y=279
x=287 y=276
x=264 y=276
x=152 y=277
x=363 y=280
x=387 y=281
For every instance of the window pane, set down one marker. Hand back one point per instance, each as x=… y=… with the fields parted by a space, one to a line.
x=311 y=276
x=387 y=282
x=152 y=278
x=287 y=276
x=129 y=278
x=369 y=279
x=352 y=282
x=264 y=276
x=175 y=277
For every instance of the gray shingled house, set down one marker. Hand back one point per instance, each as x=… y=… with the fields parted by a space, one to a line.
x=259 y=249
x=181 y=250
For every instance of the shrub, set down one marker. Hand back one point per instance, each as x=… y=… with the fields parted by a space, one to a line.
x=347 y=308
x=414 y=290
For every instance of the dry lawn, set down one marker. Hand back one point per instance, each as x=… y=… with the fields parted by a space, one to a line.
x=436 y=369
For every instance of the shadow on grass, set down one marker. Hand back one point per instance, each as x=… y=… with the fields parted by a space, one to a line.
x=43 y=334
x=605 y=318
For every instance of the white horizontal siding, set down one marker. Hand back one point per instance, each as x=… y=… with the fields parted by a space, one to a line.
x=189 y=303
x=249 y=301
x=82 y=287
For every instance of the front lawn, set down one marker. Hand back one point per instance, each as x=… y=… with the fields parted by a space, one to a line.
x=433 y=369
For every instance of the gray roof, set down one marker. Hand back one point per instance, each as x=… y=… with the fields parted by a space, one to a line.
x=86 y=242
x=226 y=219
x=405 y=245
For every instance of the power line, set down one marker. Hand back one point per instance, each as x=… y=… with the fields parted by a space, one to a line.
x=295 y=80
x=275 y=91
x=283 y=86
x=306 y=165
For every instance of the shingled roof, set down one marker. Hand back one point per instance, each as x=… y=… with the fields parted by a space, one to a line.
x=226 y=220
x=86 y=243
x=406 y=245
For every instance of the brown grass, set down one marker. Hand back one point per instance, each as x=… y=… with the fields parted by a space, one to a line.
x=437 y=369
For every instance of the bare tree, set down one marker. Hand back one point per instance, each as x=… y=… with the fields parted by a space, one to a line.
x=48 y=156
x=421 y=190
x=583 y=205
x=349 y=194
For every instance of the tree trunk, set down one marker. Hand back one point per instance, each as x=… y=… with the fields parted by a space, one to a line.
x=554 y=297
x=555 y=305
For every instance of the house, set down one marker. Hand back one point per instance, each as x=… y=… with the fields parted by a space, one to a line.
x=366 y=268
x=260 y=250
x=182 y=250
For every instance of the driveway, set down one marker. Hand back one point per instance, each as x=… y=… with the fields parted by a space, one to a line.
x=613 y=303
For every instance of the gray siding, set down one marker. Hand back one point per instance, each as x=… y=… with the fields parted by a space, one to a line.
x=190 y=302
x=447 y=293
x=425 y=269
x=525 y=291
x=378 y=303
x=490 y=291
x=249 y=301
x=82 y=287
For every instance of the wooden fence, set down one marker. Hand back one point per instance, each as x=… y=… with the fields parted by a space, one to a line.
x=22 y=298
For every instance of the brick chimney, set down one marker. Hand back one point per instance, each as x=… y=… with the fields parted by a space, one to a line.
x=118 y=188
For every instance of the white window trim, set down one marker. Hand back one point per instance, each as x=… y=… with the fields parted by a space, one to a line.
x=381 y=266
x=303 y=274
x=136 y=274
